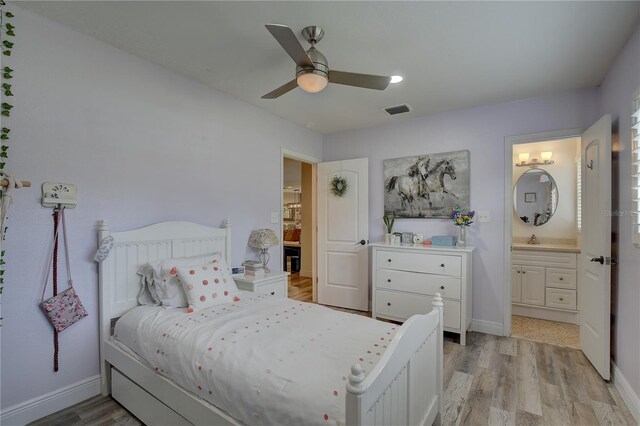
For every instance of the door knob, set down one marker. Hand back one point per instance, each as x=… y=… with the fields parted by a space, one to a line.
x=273 y=293
x=442 y=265
x=600 y=260
x=441 y=287
x=388 y=260
x=362 y=243
x=388 y=303
x=389 y=280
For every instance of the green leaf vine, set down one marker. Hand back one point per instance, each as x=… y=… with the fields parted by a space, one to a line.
x=7 y=32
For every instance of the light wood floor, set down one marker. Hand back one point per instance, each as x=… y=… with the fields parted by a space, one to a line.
x=491 y=381
x=300 y=288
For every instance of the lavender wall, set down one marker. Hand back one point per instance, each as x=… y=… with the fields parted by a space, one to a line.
x=143 y=145
x=621 y=82
x=482 y=131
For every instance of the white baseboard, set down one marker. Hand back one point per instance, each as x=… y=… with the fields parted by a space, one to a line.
x=542 y=312
x=49 y=403
x=487 y=327
x=626 y=391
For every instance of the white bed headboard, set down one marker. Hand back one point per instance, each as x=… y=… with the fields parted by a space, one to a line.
x=118 y=280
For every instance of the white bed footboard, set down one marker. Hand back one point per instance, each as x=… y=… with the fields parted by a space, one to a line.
x=405 y=387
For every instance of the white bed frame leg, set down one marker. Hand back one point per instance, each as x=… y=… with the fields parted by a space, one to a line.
x=105 y=314
x=439 y=305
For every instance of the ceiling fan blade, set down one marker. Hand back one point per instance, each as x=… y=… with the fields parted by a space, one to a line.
x=367 y=81
x=287 y=87
x=287 y=39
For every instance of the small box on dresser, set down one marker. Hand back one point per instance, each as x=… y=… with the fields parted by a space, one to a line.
x=272 y=283
x=406 y=277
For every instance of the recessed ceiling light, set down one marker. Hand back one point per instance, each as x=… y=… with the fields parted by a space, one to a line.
x=396 y=79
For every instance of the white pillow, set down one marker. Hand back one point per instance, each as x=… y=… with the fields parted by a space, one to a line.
x=165 y=277
x=208 y=285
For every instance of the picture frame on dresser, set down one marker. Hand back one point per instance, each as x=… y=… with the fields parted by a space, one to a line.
x=405 y=279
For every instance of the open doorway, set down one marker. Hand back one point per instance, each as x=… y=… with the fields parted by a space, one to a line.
x=299 y=226
x=545 y=240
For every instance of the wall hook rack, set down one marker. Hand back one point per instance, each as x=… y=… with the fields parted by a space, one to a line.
x=59 y=195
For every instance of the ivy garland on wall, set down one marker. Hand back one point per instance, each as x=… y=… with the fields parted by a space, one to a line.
x=6 y=34
x=339 y=186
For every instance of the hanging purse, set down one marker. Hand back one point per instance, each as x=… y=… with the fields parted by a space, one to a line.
x=63 y=309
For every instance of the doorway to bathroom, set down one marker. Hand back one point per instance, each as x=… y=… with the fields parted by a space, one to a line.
x=545 y=241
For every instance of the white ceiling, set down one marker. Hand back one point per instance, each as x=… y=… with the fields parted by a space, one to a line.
x=453 y=55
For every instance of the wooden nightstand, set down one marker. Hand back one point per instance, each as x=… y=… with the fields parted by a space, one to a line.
x=273 y=283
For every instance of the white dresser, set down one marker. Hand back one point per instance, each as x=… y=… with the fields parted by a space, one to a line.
x=544 y=283
x=406 y=277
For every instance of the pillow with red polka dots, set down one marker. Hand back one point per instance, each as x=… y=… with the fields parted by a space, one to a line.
x=165 y=277
x=207 y=285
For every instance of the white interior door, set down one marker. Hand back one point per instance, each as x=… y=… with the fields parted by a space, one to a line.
x=595 y=258
x=343 y=235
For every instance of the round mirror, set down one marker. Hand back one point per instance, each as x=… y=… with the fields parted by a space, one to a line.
x=535 y=197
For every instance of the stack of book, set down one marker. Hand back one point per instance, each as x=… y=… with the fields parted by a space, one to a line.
x=254 y=268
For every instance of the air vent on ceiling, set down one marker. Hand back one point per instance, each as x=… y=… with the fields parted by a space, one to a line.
x=398 y=109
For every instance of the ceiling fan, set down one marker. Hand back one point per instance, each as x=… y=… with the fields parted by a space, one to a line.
x=312 y=68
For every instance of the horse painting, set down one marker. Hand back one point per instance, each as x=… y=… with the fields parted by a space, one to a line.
x=427 y=185
x=410 y=186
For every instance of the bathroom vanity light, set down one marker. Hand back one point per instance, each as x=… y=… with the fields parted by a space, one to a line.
x=524 y=160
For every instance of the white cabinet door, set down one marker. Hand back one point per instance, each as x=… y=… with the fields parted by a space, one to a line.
x=516 y=284
x=533 y=285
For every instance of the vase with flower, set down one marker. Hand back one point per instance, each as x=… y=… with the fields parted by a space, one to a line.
x=388 y=220
x=462 y=220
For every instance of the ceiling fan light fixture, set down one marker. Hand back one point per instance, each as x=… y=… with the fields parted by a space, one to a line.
x=311 y=82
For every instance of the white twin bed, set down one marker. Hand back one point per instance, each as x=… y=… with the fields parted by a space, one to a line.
x=261 y=360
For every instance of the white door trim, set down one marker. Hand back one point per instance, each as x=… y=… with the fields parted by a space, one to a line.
x=286 y=152
x=509 y=142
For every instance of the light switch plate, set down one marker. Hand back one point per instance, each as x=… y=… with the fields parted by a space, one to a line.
x=484 y=216
x=275 y=217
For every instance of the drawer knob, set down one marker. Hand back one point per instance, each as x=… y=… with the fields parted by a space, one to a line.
x=561 y=299
x=273 y=293
x=388 y=260
x=388 y=303
x=389 y=280
x=561 y=279
x=442 y=265
x=441 y=287
x=518 y=271
x=524 y=272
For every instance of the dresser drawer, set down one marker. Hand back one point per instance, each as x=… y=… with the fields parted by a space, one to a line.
x=416 y=282
x=403 y=305
x=547 y=259
x=419 y=262
x=277 y=289
x=561 y=278
x=561 y=299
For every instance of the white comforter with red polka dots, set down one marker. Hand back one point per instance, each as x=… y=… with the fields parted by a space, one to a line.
x=264 y=360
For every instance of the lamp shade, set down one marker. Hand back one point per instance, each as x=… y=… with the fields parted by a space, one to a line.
x=263 y=239
x=311 y=82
